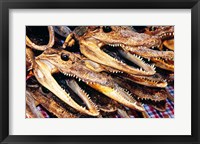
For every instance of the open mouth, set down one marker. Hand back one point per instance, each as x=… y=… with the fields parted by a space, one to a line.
x=124 y=57
x=167 y=64
x=114 y=52
x=44 y=76
x=94 y=52
x=155 y=97
x=103 y=102
x=111 y=90
x=140 y=57
x=159 y=105
x=71 y=86
x=151 y=96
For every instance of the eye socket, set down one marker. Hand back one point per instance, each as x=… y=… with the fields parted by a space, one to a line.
x=107 y=29
x=152 y=28
x=64 y=57
x=45 y=90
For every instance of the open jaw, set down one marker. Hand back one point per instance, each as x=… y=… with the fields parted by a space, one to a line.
x=164 y=64
x=104 y=103
x=43 y=74
x=76 y=68
x=118 y=94
x=160 y=106
x=107 y=87
x=161 y=59
x=163 y=32
x=95 y=53
x=151 y=96
x=156 y=97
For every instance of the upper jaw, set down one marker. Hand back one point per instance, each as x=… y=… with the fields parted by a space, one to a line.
x=160 y=58
x=92 y=50
x=149 y=81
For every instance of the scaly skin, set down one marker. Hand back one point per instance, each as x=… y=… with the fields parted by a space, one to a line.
x=48 y=103
x=43 y=71
x=151 y=81
x=133 y=45
x=51 y=60
x=155 y=97
x=163 y=32
x=166 y=33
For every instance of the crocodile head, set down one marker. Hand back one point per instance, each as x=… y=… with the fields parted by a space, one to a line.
x=73 y=65
x=156 y=97
x=43 y=70
x=130 y=45
x=163 y=32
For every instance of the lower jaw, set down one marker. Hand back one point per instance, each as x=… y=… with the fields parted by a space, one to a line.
x=163 y=65
x=160 y=106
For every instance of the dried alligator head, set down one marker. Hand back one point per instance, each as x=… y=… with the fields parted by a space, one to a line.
x=48 y=102
x=132 y=46
x=155 y=97
x=73 y=65
x=43 y=70
x=163 y=32
x=166 y=33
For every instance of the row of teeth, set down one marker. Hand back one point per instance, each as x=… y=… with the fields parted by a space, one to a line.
x=137 y=56
x=153 y=80
x=130 y=94
x=89 y=98
x=140 y=58
x=139 y=98
x=119 y=61
x=116 y=72
x=164 y=58
x=79 y=79
x=167 y=34
x=125 y=64
x=70 y=98
x=118 y=45
x=127 y=47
